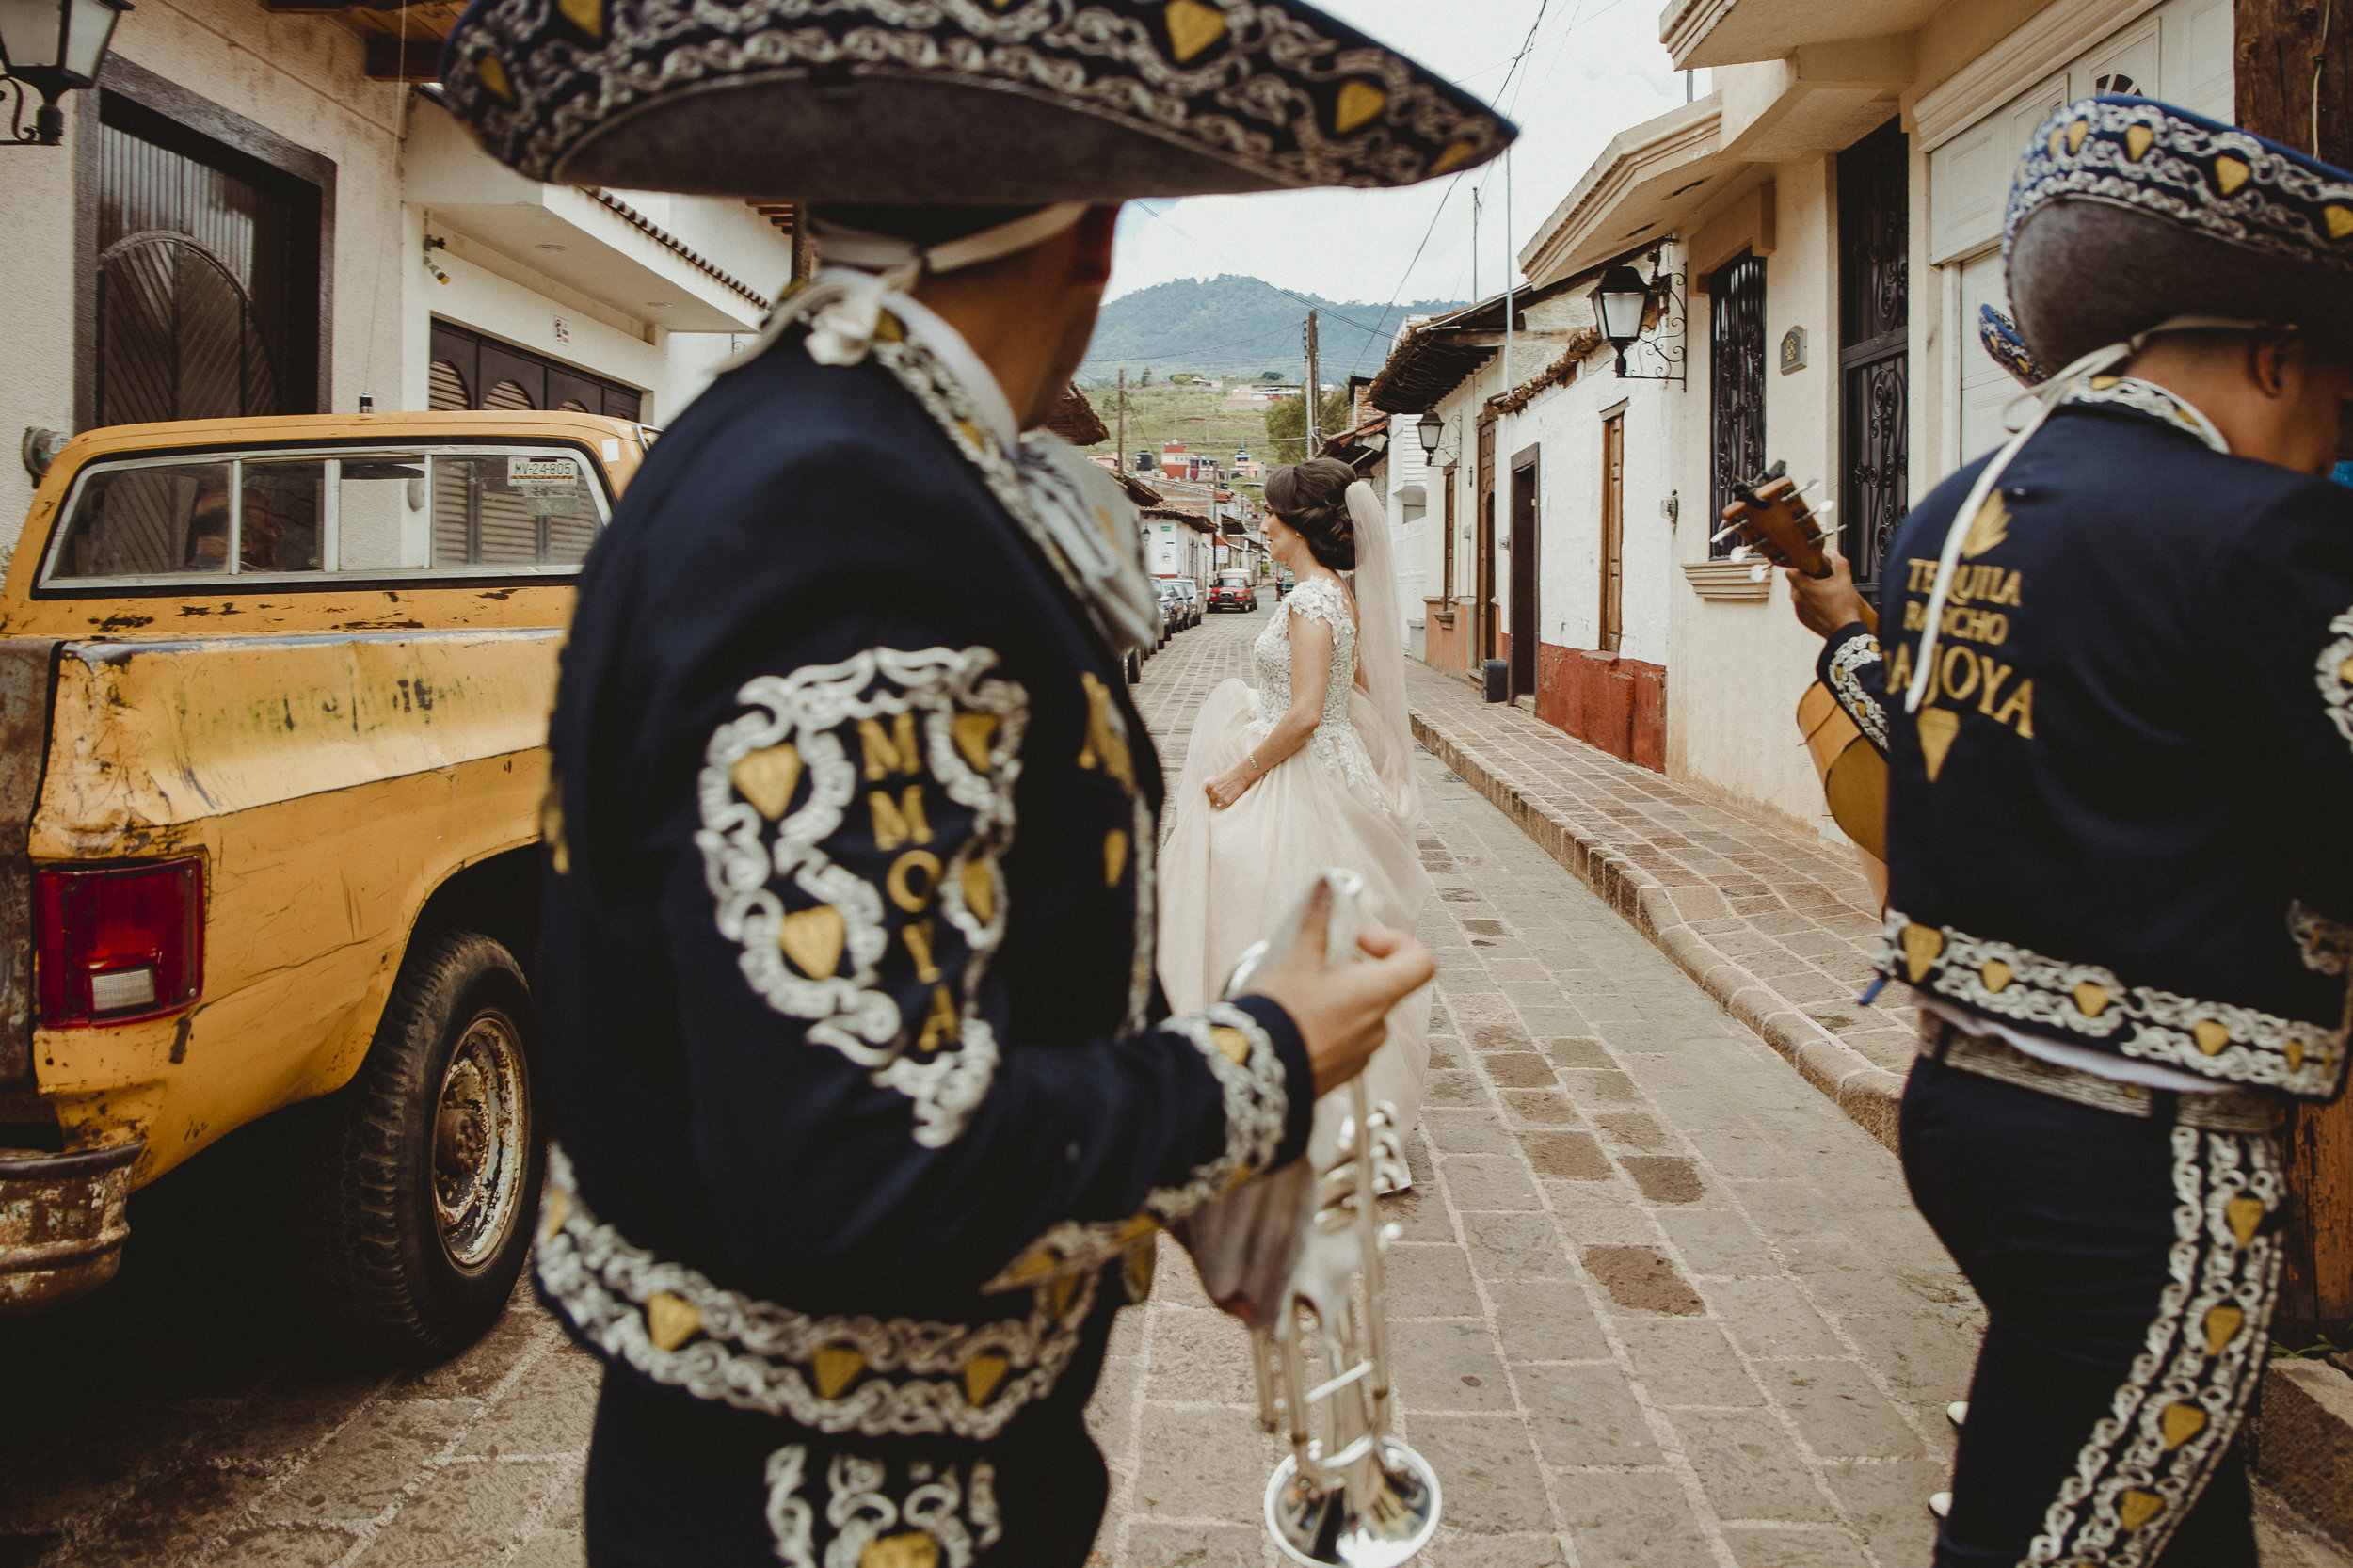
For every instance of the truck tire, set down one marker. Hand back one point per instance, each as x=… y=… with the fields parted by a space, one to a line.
x=429 y=1161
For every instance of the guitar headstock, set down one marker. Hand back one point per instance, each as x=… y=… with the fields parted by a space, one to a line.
x=1770 y=517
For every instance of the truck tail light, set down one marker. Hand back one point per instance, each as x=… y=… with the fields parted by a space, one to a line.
x=119 y=943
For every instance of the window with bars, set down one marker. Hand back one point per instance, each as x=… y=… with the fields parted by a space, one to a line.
x=471 y=371
x=1874 y=353
x=1736 y=382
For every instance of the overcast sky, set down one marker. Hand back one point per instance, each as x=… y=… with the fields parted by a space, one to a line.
x=1596 y=68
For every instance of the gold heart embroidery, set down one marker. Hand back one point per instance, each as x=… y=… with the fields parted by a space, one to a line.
x=1232 y=1043
x=1114 y=857
x=2136 y=1508
x=973 y=733
x=766 y=778
x=2075 y=135
x=1193 y=27
x=981 y=1374
x=907 y=1549
x=553 y=1212
x=2244 y=1214
x=2229 y=173
x=835 y=1366
x=2340 y=220
x=2091 y=1000
x=2294 y=1054
x=812 y=939
x=980 y=889
x=2180 y=1423
x=1997 y=976
x=1938 y=725
x=2222 y=1326
x=669 y=1322
x=2211 y=1036
x=1922 y=943
x=2137 y=140
x=1358 y=103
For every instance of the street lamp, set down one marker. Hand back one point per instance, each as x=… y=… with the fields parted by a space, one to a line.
x=52 y=47
x=1430 y=427
x=1619 y=300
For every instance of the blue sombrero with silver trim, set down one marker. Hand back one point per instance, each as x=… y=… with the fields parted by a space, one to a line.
x=1998 y=335
x=984 y=103
x=2128 y=212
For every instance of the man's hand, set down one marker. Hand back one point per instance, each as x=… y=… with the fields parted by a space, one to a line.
x=1825 y=603
x=1342 y=1013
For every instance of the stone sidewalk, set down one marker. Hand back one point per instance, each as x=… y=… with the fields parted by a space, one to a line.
x=1779 y=929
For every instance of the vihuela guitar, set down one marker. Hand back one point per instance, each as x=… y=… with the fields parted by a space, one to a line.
x=1770 y=517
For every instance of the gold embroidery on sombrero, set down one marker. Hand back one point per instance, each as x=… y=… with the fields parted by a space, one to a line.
x=2003 y=980
x=2174 y=1415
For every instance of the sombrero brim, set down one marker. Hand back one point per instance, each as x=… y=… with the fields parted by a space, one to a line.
x=877 y=102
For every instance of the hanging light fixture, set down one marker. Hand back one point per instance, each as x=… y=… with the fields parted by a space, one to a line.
x=1430 y=427
x=1618 y=301
x=54 y=49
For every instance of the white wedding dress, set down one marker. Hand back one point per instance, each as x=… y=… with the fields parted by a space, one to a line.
x=1345 y=798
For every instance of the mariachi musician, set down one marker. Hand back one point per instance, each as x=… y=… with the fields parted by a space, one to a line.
x=867 y=1103
x=2115 y=687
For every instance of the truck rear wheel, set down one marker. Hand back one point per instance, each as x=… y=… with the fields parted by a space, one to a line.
x=431 y=1158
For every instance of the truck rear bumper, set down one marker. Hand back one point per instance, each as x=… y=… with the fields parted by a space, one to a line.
x=62 y=1224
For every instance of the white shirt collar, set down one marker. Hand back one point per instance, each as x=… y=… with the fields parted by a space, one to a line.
x=980 y=382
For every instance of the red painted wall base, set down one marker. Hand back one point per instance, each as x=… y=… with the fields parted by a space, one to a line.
x=1615 y=703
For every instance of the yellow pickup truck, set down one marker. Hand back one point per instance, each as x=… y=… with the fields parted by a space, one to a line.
x=273 y=704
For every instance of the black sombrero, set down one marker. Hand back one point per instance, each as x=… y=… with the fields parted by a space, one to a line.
x=1002 y=102
x=2127 y=213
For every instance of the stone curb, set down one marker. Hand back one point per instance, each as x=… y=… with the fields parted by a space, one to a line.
x=1867 y=1093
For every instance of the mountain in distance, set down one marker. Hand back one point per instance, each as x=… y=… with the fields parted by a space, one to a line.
x=1236 y=325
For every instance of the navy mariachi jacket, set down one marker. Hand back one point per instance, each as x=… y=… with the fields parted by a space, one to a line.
x=2121 y=816
x=846 y=970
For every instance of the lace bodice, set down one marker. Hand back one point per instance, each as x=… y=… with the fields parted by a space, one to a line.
x=1335 y=742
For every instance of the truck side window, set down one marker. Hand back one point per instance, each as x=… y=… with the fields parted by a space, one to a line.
x=511 y=509
x=147 y=521
x=285 y=506
x=382 y=515
x=422 y=513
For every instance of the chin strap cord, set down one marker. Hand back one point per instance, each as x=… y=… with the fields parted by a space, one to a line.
x=844 y=304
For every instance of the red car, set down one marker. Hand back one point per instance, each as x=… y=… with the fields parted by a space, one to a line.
x=1232 y=591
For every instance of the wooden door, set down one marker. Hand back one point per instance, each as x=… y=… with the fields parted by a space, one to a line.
x=1613 y=532
x=1483 y=641
x=1446 y=566
x=1525 y=500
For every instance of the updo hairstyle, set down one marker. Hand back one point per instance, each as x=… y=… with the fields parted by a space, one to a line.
x=1312 y=498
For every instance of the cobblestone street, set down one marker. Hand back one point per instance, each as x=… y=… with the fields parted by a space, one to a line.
x=1658 y=1301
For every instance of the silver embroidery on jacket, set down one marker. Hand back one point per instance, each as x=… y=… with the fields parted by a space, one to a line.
x=967 y=726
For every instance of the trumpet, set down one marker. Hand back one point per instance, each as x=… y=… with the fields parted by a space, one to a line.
x=1351 y=1495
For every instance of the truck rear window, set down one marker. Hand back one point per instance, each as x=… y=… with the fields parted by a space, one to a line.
x=288 y=518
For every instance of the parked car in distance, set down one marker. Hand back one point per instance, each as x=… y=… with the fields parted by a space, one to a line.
x=274 y=701
x=1284 y=583
x=1171 y=607
x=1192 y=591
x=1232 y=591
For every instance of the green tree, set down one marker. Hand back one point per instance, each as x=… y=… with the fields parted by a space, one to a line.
x=1286 y=426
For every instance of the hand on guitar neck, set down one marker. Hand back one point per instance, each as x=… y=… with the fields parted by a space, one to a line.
x=1771 y=519
x=1828 y=602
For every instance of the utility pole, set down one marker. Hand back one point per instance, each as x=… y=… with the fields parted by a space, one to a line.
x=1474 y=243
x=1510 y=268
x=2293 y=80
x=1315 y=395
x=1122 y=448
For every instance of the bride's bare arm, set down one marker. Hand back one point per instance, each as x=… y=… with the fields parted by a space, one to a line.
x=1311 y=678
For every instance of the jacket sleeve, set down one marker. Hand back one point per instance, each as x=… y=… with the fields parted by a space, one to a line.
x=838 y=878
x=1851 y=666
x=2283 y=617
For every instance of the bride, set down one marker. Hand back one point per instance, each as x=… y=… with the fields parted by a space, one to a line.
x=1312 y=767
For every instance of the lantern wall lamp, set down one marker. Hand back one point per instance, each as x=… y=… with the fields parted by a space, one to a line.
x=52 y=47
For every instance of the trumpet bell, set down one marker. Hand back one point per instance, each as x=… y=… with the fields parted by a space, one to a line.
x=1315 y=1526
